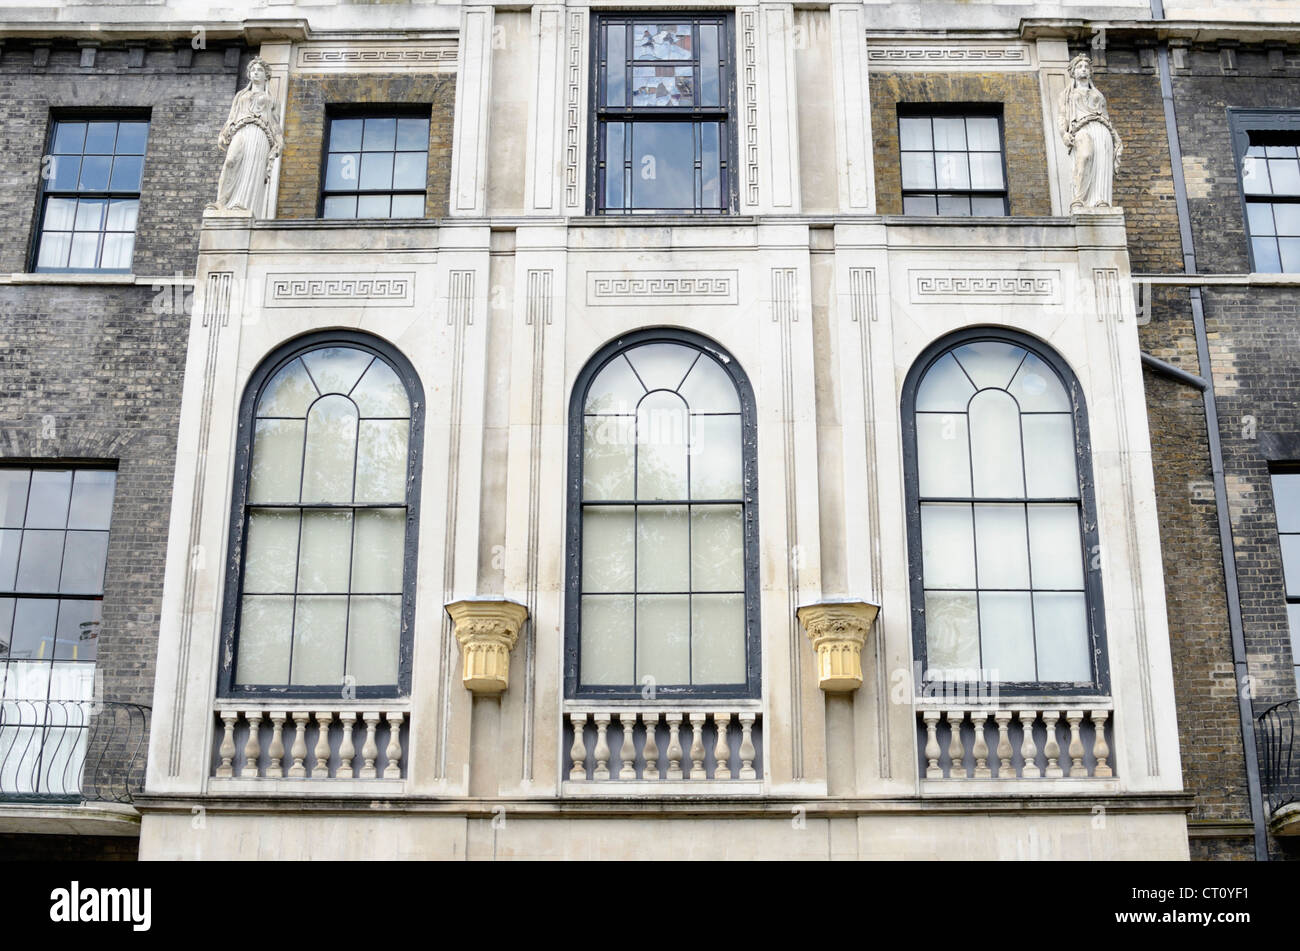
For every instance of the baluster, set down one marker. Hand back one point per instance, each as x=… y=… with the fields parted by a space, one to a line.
x=602 y=747
x=932 y=749
x=393 y=769
x=252 y=748
x=697 y=747
x=674 y=721
x=979 y=719
x=747 y=751
x=227 y=751
x=1005 y=768
x=1077 y=767
x=722 y=749
x=956 y=752
x=578 y=752
x=627 y=755
x=370 y=749
x=1028 y=746
x=321 y=769
x=651 y=750
x=299 y=749
x=275 y=768
x=347 y=750
x=1100 y=749
x=1052 y=749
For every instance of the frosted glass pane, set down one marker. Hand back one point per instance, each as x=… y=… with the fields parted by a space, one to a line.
x=337 y=369
x=663 y=639
x=381 y=392
x=330 y=454
x=951 y=635
x=949 y=133
x=1049 y=456
x=947 y=546
x=914 y=133
x=1038 y=389
x=264 y=640
x=995 y=446
x=609 y=457
x=662 y=366
x=606 y=641
x=1062 y=625
x=378 y=547
x=943 y=462
x=374 y=628
x=718 y=639
x=318 y=635
x=271 y=551
x=381 y=460
x=982 y=134
x=1007 y=636
x=1054 y=546
x=1001 y=546
x=716 y=467
x=945 y=388
x=92 y=499
x=709 y=389
x=661 y=447
x=918 y=169
x=662 y=555
x=614 y=390
x=289 y=393
x=607 y=548
x=277 y=461
x=990 y=362
x=1286 y=501
x=717 y=548
x=84 y=555
x=326 y=547
x=1290 y=562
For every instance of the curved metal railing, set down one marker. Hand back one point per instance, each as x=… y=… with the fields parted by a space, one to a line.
x=1280 y=748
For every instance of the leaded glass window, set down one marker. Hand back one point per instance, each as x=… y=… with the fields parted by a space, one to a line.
x=662 y=588
x=1002 y=532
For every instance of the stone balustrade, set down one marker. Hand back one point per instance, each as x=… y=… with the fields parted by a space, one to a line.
x=310 y=742
x=657 y=745
x=1009 y=741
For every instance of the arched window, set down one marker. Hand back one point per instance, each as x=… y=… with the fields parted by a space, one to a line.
x=662 y=573
x=320 y=588
x=1002 y=527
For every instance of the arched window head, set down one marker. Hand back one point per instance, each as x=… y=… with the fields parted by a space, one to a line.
x=662 y=583
x=1002 y=524
x=320 y=592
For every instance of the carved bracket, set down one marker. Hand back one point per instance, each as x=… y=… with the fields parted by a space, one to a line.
x=487 y=631
x=838 y=629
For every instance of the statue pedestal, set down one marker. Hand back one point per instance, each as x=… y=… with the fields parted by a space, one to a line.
x=212 y=211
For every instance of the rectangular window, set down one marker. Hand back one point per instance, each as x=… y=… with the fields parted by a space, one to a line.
x=952 y=163
x=90 y=194
x=662 y=136
x=376 y=166
x=1270 y=183
x=1286 y=503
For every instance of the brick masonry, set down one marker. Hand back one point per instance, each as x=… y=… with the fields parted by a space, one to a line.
x=310 y=99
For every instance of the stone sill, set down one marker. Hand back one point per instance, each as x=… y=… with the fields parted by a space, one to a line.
x=652 y=790
x=1083 y=786
x=91 y=278
x=87 y=818
x=294 y=789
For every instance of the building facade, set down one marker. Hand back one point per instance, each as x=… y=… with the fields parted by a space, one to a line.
x=685 y=432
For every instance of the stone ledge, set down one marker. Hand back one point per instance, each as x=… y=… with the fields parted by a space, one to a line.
x=87 y=818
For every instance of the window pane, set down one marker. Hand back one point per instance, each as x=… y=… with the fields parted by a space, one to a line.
x=661 y=447
x=341 y=171
x=324 y=551
x=1038 y=389
x=381 y=460
x=380 y=392
x=616 y=57
x=717 y=548
x=710 y=166
x=614 y=165
x=606 y=645
x=607 y=548
x=1002 y=546
x=718 y=639
x=373 y=206
x=663 y=165
x=663 y=638
x=1267 y=260
x=982 y=134
x=949 y=134
x=663 y=86
x=345 y=135
x=131 y=137
x=988 y=207
x=710 y=94
x=914 y=134
x=34 y=621
x=662 y=41
x=943 y=460
x=55 y=247
x=13 y=496
x=100 y=137
x=954 y=206
x=78 y=630
x=1290 y=563
x=918 y=170
x=951 y=634
x=330 y=452
x=127 y=170
x=662 y=366
x=379 y=135
x=318 y=640
x=90 y=214
x=986 y=170
x=122 y=214
x=337 y=369
x=117 y=252
x=65 y=171
x=919 y=205
x=663 y=558
x=289 y=393
x=340 y=207
x=408 y=206
x=708 y=389
x=1254 y=176
x=715 y=458
x=92 y=498
x=84 y=555
x=1007 y=636
x=409 y=169
x=69 y=137
x=1049 y=456
x=376 y=171
x=1285 y=176
x=1286 y=500
x=608 y=457
x=84 y=253
x=271 y=551
x=615 y=389
x=1287 y=217
x=995 y=446
x=945 y=387
x=374 y=633
x=95 y=171
x=47 y=502
x=947 y=546
x=1260 y=216
x=60 y=213
x=277 y=461
x=951 y=170
x=1061 y=623
x=990 y=362
x=378 y=551
x=1289 y=250
x=413 y=135
x=10 y=541
x=1054 y=546
x=40 y=561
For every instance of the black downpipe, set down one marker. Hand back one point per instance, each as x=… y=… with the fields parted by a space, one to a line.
x=1239 y=662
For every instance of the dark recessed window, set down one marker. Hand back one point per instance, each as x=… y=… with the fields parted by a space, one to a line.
x=952 y=164
x=90 y=195
x=1286 y=503
x=376 y=166
x=1270 y=179
x=663 y=93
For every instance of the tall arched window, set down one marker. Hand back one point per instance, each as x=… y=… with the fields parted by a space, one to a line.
x=662 y=572
x=320 y=587
x=1002 y=526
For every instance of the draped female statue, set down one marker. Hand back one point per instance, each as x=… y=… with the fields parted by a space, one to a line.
x=1089 y=136
x=252 y=140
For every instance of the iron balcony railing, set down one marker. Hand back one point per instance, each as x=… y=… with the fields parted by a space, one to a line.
x=1280 y=741
x=72 y=751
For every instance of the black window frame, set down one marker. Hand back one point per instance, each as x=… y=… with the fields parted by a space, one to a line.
x=1093 y=598
x=1268 y=122
x=949 y=110
x=45 y=192
x=372 y=111
x=1286 y=469
x=573 y=689
x=234 y=575
x=725 y=113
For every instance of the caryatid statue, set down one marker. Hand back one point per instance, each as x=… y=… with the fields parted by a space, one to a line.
x=1089 y=136
x=253 y=140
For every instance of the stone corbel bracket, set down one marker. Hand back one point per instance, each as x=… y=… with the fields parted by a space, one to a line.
x=487 y=630
x=838 y=629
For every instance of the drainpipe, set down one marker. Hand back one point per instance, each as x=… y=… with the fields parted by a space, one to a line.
x=1216 y=454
